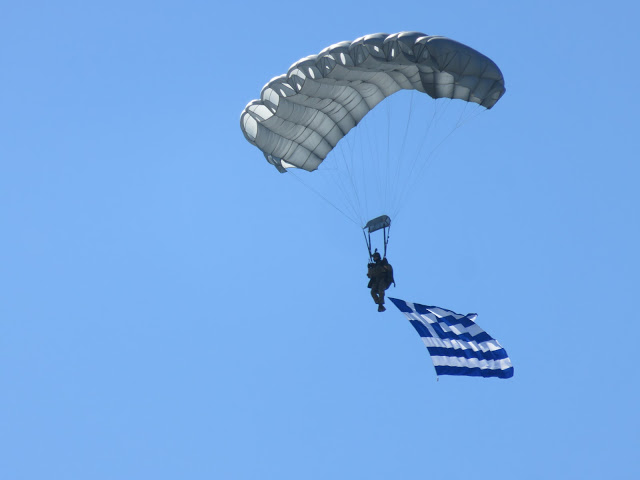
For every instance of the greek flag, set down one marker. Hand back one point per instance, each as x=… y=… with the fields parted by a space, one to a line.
x=457 y=345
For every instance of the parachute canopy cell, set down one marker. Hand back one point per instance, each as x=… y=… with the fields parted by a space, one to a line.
x=303 y=114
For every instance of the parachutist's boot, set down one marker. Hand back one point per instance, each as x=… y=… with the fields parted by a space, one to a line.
x=381 y=308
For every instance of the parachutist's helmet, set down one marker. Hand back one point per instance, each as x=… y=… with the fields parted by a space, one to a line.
x=376 y=256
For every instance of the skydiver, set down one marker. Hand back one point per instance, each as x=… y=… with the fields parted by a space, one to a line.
x=380 y=273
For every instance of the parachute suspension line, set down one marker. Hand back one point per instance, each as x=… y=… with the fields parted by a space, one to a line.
x=391 y=147
x=347 y=194
x=460 y=122
x=372 y=171
x=363 y=172
x=351 y=174
x=362 y=165
x=381 y=151
x=416 y=159
x=438 y=114
x=466 y=117
x=343 y=177
x=389 y=160
x=336 y=180
x=401 y=160
x=324 y=198
x=424 y=138
x=371 y=165
x=382 y=163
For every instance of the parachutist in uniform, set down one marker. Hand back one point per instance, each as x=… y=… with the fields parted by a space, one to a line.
x=380 y=274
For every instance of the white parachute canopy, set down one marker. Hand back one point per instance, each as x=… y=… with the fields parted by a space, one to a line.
x=302 y=115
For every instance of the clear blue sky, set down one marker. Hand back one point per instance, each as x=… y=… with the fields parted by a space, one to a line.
x=172 y=307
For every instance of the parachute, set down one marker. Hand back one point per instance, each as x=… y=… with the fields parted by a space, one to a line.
x=302 y=115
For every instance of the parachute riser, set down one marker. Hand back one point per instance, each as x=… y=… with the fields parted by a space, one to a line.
x=367 y=239
x=385 y=236
x=385 y=233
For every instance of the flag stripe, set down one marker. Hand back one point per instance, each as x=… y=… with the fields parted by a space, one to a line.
x=471 y=362
x=468 y=353
x=475 y=372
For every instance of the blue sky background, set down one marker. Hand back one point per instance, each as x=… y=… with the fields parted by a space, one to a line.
x=172 y=307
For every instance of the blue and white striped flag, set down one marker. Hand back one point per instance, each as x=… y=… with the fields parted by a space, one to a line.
x=457 y=345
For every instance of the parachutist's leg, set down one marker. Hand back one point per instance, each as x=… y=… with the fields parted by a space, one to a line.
x=377 y=292
x=381 y=288
x=374 y=293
